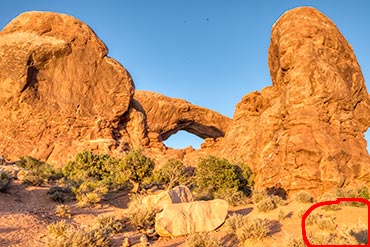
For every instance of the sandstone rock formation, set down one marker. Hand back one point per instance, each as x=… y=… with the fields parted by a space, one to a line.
x=187 y=218
x=59 y=90
x=61 y=94
x=165 y=116
x=307 y=130
x=179 y=194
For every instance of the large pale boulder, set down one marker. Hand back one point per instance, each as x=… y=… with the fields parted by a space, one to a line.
x=187 y=218
x=179 y=194
x=60 y=92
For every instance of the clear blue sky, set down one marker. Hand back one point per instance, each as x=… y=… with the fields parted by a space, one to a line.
x=209 y=52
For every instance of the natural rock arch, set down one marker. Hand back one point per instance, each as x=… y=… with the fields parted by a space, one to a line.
x=166 y=116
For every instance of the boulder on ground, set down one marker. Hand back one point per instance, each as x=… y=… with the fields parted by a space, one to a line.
x=179 y=194
x=187 y=218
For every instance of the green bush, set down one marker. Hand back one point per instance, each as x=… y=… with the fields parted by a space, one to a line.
x=36 y=172
x=215 y=176
x=94 y=167
x=91 y=176
x=137 y=167
x=61 y=194
x=172 y=174
x=4 y=181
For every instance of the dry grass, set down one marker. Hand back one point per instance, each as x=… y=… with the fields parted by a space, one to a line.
x=202 y=240
x=63 y=211
x=246 y=228
x=140 y=217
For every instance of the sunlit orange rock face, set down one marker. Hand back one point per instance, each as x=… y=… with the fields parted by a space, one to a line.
x=61 y=93
x=306 y=131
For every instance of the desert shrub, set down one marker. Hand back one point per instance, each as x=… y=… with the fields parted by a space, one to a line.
x=269 y=203
x=304 y=197
x=253 y=229
x=94 y=167
x=282 y=215
x=301 y=212
x=36 y=172
x=233 y=223
x=202 y=240
x=90 y=193
x=245 y=228
x=91 y=176
x=313 y=218
x=61 y=234
x=278 y=200
x=289 y=241
x=326 y=223
x=218 y=176
x=138 y=215
x=363 y=192
x=266 y=205
x=61 y=194
x=63 y=211
x=232 y=196
x=109 y=222
x=329 y=196
x=137 y=167
x=353 y=235
x=4 y=181
x=172 y=174
x=259 y=195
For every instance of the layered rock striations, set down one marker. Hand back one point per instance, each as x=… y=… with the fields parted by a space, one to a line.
x=307 y=130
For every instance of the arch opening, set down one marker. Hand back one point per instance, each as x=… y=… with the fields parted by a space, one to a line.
x=367 y=138
x=183 y=139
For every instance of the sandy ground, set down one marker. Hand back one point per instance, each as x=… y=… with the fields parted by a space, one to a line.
x=25 y=212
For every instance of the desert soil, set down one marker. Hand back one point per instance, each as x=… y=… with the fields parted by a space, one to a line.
x=25 y=212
